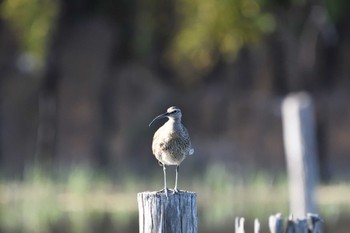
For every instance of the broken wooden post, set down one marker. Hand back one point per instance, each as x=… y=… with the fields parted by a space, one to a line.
x=297 y=225
x=256 y=226
x=176 y=213
x=309 y=224
x=314 y=222
x=276 y=223
x=301 y=153
x=239 y=225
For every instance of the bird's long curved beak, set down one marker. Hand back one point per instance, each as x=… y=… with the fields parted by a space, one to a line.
x=158 y=117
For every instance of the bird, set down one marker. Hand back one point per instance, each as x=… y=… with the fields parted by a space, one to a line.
x=171 y=143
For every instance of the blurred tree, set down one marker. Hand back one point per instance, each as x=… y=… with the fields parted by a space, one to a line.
x=86 y=43
x=162 y=28
x=212 y=30
x=32 y=21
x=337 y=9
x=53 y=99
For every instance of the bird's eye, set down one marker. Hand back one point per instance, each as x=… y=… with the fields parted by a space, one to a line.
x=175 y=111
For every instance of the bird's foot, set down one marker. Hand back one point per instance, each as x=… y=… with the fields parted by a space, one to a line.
x=165 y=190
x=176 y=191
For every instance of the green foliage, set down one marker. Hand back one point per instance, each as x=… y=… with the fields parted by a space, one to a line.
x=236 y=195
x=215 y=28
x=337 y=9
x=32 y=21
x=80 y=180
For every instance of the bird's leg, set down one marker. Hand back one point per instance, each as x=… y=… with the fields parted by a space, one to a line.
x=176 y=176
x=165 y=189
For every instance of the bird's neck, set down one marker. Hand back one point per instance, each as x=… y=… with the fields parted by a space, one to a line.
x=174 y=125
x=174 y=121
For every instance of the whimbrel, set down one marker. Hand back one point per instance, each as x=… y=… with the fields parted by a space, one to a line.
x=171 y=143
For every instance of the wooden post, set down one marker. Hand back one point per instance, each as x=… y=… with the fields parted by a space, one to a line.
x=239 y=225
x=301 y=154
x=276 y=223
x=314 y=223
x=256 y=226
x=176 y=213
x=311 y=224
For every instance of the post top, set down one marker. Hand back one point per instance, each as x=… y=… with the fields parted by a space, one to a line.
x=170 y=194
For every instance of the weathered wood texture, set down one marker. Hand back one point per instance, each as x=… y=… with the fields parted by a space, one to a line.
x=311 y=224
x=176 y=213
x=301 y=154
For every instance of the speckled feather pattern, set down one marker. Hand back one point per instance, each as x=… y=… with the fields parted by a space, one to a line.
x=171 y=143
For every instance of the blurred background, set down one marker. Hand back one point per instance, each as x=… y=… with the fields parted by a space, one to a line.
x=80 y=80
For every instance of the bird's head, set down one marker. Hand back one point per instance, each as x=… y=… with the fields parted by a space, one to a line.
x=173 y=113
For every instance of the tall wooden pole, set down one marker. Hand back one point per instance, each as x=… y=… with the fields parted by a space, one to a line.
x=301 y=153
x=176 y=213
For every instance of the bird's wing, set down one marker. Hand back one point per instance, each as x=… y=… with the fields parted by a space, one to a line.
x=188 y=141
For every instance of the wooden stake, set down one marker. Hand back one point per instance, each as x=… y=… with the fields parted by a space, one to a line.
x=176 y=213
x=301 y=153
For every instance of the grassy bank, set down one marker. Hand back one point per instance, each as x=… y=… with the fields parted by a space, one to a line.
x=81 y=198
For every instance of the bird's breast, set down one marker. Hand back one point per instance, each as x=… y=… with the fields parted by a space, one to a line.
x=170 y=147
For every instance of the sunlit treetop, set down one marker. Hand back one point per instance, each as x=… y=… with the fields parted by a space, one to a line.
x=212 y=28
x=32 y=21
